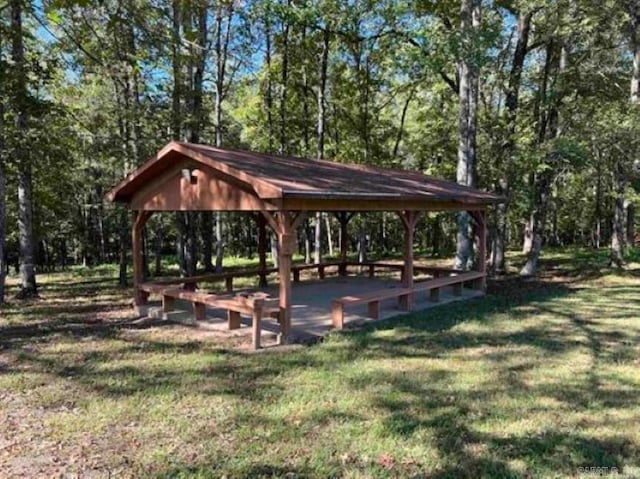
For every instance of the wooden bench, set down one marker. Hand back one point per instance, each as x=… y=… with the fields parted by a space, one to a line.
x=255 y=306
x=404 y=295
x=371 y=266
x=436 y=272
x=457 y=281
x=192 y=282
x=372 y=299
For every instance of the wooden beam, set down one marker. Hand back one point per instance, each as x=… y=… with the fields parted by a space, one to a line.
x=409 y=220
x=272 y=220
x=286 y=221
x=256 y=327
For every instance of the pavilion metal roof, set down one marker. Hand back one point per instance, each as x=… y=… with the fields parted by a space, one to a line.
x=275 y=177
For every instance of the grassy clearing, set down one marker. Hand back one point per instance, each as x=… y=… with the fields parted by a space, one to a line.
x=537 y=379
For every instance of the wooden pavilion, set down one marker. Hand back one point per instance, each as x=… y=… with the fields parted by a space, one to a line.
x=280 y=191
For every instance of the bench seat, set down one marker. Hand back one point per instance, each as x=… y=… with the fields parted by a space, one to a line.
x=372 y=299
x=404 y=295
x=256 y=307
x=457 y=281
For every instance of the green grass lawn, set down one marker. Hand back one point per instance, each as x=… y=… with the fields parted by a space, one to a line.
x=537 y=379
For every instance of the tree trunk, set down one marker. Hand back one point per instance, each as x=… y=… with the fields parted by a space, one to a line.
x=206 y=225
x=180 y=243
x=191 y=246
x=320 y=130
x=307 y=241
x=284 y=86
x=616 y=252
x=197 y=121
x=221 y=50
x=597 y=214
x=3 y=212
x=538 y=220
x=305 y=98
x=506 y=161
x=157 y=271
x=527 y=239
x=362 y=242
x=436 y=237
x=3 y=193
x=631 y=224
x=123 y=245
x=28 y=287
x=219 y=242
x=467 y=125
x=403 y=116
x=322 y=105
x=550 y=128
x=177 y=123
x=269 y=92
x=635 y=46
x=329 y=235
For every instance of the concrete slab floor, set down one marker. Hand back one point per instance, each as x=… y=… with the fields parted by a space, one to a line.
x=311 y=309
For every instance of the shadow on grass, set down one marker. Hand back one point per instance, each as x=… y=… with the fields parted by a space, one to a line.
x=408 y=405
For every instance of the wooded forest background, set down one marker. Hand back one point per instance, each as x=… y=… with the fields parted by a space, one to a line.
x=535 y=100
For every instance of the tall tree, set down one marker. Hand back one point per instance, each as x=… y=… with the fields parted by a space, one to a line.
x=221 y=50
x=551 y=95
x=468 y=74
x=20 y=104
x=621 y=165
x=508 y=150
x=3 y=185
x=323 y=65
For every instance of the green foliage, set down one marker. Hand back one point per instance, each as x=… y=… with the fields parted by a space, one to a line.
x=101 y=80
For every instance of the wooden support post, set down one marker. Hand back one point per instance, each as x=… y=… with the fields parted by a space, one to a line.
x=256 y=327
x=373 y=310
x=372 y=271
x=199 y=311
x=228 y=282
x=321 y=271
x=286 y=247
x=409 y=220
x=337 y=314
x=434 y=295
x=168 y=303
x=262 y=249
x=233 y=319
x=405 y=302
x=284 y=224
x=139 y=220
x=296 y=275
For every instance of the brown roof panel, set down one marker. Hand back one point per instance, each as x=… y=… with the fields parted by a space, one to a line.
x=274 y=176
x=304 y=177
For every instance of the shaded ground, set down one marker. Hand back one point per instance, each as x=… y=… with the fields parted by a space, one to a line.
x=537 y=379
